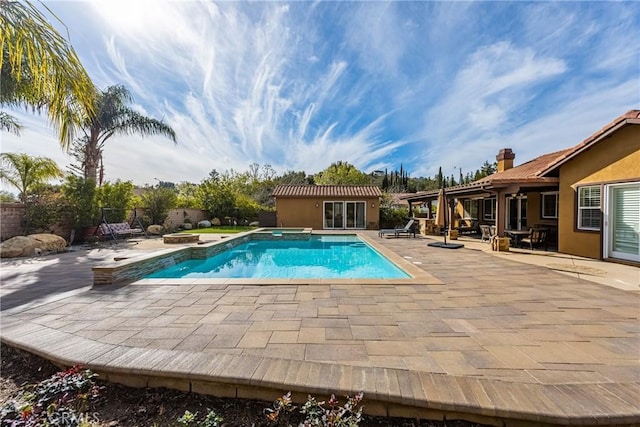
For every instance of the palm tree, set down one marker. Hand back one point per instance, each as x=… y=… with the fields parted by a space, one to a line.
x=40 y=69
x=25 y=172
x=113 y=117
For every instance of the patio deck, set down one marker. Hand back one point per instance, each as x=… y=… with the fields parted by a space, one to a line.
x=500 y=341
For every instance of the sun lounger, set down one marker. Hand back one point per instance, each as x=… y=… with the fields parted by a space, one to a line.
x=407 y=229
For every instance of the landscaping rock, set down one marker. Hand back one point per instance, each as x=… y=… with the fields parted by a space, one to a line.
x=155 y=229
x=18 y=246
x=49 y=242
x=204 y=224
x=254 y=224
x=215 y=221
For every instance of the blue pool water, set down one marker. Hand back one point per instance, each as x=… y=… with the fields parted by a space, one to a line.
x=319 y=257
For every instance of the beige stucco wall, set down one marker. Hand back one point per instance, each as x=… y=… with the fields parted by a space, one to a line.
x=302 y=212
x=614 y=159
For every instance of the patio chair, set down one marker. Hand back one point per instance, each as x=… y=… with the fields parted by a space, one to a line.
x=407 y=229
x=395 y=231
x=486 y=233
x=537 y=237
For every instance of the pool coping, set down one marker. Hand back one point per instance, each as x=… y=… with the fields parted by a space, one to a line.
x=134 y=269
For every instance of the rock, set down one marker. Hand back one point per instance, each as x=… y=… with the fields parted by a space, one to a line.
x=215 y=221
x=187 y=226
x=254 y=224
x=18 y=246
x=49 y=242
x=155 y=229
x=204 y=224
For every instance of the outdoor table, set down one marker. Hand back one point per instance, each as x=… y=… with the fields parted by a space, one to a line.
x=517 y=235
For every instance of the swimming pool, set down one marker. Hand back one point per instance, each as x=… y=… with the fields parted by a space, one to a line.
x=319 y=256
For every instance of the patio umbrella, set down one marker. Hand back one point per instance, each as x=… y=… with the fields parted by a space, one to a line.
x=442 y=221
x=441 y=211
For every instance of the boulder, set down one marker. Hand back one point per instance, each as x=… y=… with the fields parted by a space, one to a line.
x=215 y=221
x=155 y=229
x=49 y=242
x=204 y=224
x=18 y=246
x=254 y=224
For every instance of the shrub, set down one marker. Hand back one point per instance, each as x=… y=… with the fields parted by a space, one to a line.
x=320 y=414
x=60 y=400
x=80 y=197
x=118 y=197
x=212 y=419
x=157 y=202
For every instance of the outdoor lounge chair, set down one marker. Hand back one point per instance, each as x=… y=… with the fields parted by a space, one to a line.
x=409 y=228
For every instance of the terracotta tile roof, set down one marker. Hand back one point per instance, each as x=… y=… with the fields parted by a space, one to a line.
x=630 y=117
x=327 y=191
x=527 y=171
x=536 y=171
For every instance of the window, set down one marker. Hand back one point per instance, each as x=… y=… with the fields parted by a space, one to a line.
x=589 y=208
x=550 y=205
x=470 y=208
x=489 y=209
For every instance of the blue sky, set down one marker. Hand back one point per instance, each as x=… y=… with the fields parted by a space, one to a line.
x=300 y=85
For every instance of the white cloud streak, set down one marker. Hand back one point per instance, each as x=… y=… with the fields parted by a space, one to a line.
x=301 y=85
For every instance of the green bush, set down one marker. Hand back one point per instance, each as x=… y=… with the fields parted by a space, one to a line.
x=118 y=197
x=319 y=414
x=80 y=198
x=61 y=400
x=157 y=202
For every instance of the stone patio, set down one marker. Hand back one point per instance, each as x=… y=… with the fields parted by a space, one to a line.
x=497 y=341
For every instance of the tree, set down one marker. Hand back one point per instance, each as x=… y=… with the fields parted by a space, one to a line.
x=342 y=173
x=118 y=197
x=40 y=69
x=217 y=196
x=80 y=196
x=113 y=117
x=25 y=172
x=187 y=195
x=157 y=202
x=439 y=177
x=7 y=197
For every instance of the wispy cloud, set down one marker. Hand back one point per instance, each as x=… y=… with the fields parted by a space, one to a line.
x=300 y=85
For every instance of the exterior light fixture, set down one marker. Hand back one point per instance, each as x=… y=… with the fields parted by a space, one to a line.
x=317 y=205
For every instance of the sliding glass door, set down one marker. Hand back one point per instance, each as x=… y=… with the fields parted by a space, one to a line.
x=623 y=228
x=341 y=215
x=355 y=215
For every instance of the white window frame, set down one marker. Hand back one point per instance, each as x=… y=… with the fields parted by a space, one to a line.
x=542 y=196
x=582 y=209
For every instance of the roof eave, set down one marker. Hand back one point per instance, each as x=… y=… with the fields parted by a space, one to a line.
x=587 y=144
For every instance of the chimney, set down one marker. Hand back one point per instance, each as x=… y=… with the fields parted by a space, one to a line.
x=505 y=159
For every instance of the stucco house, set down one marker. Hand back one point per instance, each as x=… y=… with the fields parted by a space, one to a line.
x=588 y=195
x=599 y=193
x=328 y=207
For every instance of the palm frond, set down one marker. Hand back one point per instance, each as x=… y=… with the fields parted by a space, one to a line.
x=9 y=123
x=44 y=68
